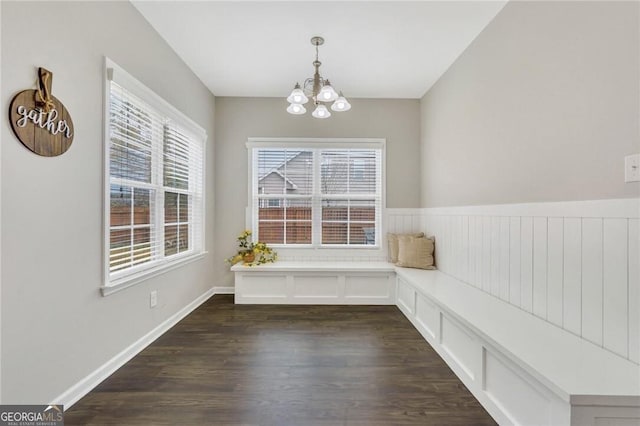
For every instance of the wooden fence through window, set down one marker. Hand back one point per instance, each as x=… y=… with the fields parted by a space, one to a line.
x=272 y=222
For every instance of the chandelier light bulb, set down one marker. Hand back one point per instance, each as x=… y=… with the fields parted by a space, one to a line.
x=296 y=109
x=341 y=104
x=327 y=93
x=321 y=111
x=297 y=96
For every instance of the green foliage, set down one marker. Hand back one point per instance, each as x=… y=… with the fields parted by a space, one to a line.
x=252 y=253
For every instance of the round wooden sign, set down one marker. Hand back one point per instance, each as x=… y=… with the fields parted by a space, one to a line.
x=45 y=133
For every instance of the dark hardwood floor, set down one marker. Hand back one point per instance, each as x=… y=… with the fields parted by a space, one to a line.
x=229 y=364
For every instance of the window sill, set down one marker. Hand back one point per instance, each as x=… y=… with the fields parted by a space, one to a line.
x=326 y=247
x=131 y=280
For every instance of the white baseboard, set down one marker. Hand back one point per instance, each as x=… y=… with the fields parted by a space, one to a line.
x=224 y=290
x=84 y=386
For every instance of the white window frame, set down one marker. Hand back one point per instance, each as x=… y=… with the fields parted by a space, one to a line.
x=119 y=280
x=254 y=143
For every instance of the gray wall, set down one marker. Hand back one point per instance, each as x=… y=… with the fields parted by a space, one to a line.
x=56 y=327
x=397 y=120
x=543 y=106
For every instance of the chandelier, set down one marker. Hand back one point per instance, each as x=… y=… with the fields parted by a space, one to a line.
x=319 y=90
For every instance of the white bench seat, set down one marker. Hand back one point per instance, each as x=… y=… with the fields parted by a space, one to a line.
x=523 y=369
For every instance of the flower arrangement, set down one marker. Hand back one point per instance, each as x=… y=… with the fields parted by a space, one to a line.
x=252 y=253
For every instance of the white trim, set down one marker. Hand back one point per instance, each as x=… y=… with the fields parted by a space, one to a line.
x=127 y=277
x=328 y=143
x=315 y=145
x=131 y=280
x=620 y=208
x=85 y=385
x=224 y=290
x=106 y=183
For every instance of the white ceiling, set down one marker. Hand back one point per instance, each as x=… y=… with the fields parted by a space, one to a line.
x=373 y=49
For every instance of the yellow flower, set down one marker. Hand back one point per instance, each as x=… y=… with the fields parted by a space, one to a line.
x=264 y=254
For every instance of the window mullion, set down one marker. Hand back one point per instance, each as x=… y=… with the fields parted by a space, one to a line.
x=348 y=178
x=131 y=222
x=284 y=202
x=348 y=219
x=158 y=182
x=316 y=201
x=255 y=203
x=193 y=183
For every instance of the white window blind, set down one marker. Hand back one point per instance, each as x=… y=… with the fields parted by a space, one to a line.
x=317 y=196
x=155 y=174
x=350 y=196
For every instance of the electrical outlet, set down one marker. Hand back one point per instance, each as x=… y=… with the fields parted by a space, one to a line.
x=632 y=168
x=153 y=299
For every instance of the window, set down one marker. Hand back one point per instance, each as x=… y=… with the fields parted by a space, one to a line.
x=154 y=174
x=324 y=193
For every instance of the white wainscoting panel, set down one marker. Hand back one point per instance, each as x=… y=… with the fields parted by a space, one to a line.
x=427 y=315
x=316 y=286
x=515 y=285
x=615 y=306
x=266 y=285
x=460 y=345
x=486 y=254
x=404 y=221
x=540 y=258
x=504 y=267
x=592 y=280
x=519 y=399
x=572 y=276
x=494 y=258
x=406 y=297
x=464 y=249
x=573 y=264
x=555 y=266
x=475 y=235
x=526 y=263
x=634 y=290
x=366 y=286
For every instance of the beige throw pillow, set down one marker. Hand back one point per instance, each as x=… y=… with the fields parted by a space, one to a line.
x=415 y=252
x=393 y=244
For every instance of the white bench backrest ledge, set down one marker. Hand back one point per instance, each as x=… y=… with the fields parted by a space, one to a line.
x=522 y=369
